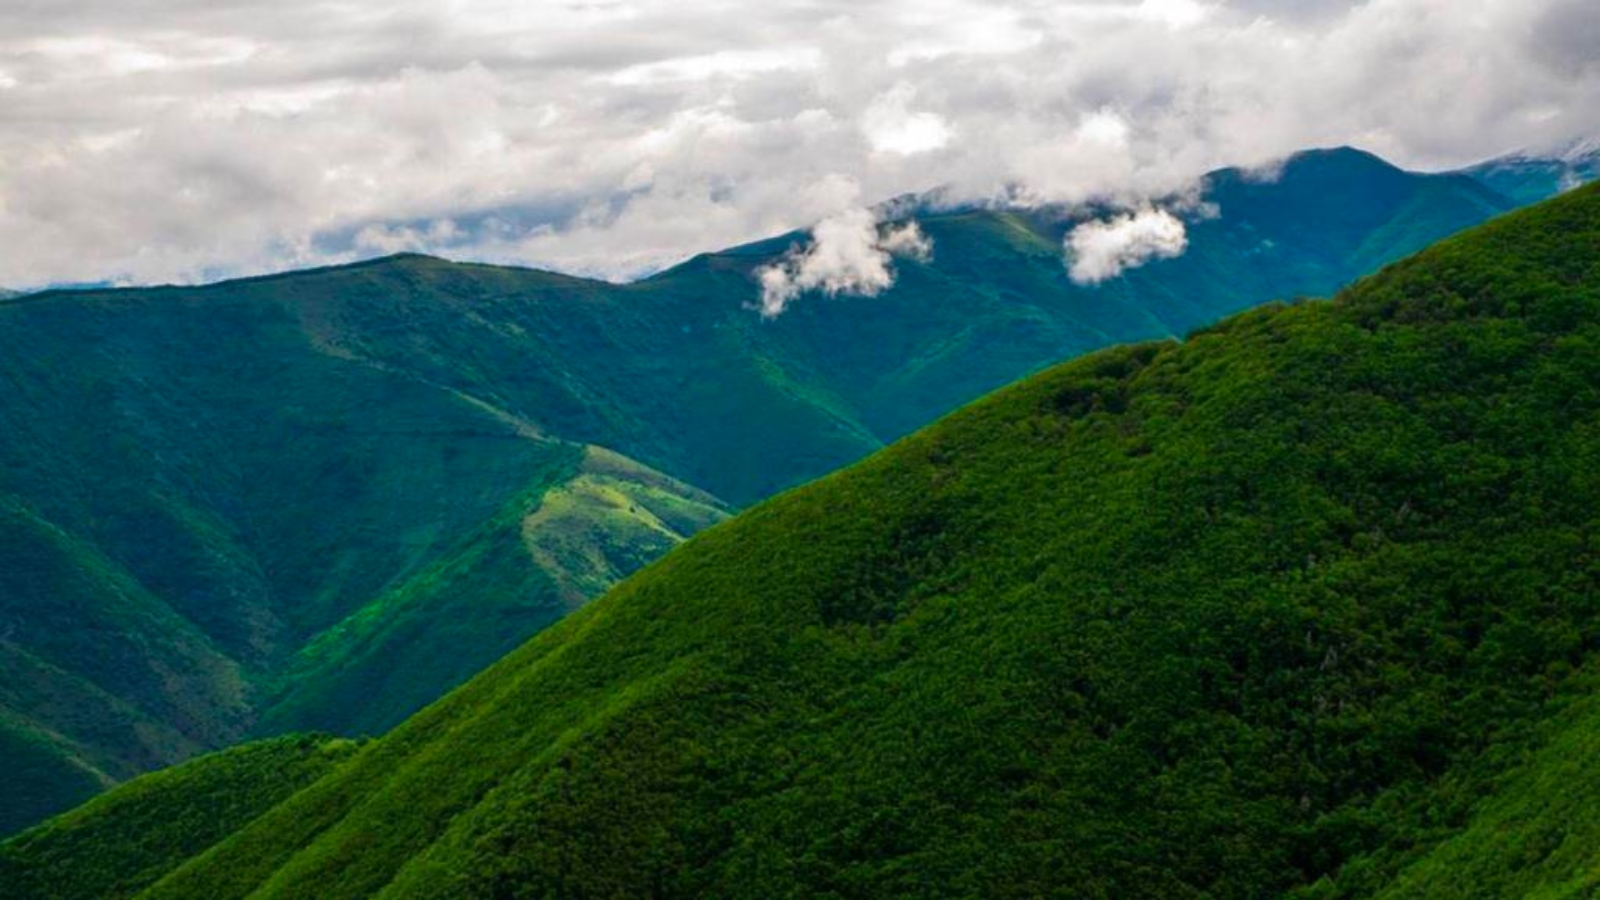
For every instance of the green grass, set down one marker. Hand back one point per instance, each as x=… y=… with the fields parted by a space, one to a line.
x=1304 y=605
x=310 y=491
x=127 y=839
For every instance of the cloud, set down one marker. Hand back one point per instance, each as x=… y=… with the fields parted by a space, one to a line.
x=849 y=254
x=181 y=140
x=388 y=239
x=1101 y=250
x=892 y=126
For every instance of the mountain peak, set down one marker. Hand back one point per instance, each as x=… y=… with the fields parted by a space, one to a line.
x=1340 y=158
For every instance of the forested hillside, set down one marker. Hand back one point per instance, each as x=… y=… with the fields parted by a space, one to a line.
x=322 y=499
x=1305 y=605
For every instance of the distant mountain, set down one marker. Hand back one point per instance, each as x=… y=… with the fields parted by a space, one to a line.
x=320 y=500
x=1304 y=606
x=1530 y=176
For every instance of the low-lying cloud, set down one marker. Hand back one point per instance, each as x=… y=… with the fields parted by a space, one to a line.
x=1101 y=250
x=179 y=140
x=849 y=253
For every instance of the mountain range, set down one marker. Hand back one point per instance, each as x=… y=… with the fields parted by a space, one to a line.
x=321 y=500
x=1301 y=606
x=1529 y=176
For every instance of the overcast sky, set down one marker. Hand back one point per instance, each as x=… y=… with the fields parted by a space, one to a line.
x=180 y=140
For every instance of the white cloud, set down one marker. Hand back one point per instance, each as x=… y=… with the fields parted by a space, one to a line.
x=175 y=140
x=727 y=63
x=907 y=241
x=1101 y=250
x=387 y=239
x=849 y=254
x=1174 y=13
x=892 y=126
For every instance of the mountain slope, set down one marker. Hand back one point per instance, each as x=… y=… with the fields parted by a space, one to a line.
x=1538 y=836
x=1273 y=610
x=435 y=630
x=127 y=839
x=220 y=499
x=151 y=690
x=1530 y=177
x=323 y=481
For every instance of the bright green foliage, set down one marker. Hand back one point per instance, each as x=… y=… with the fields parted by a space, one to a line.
x=1538 y=838
x=304 y=501
x=1301 y=606
x=122 y=842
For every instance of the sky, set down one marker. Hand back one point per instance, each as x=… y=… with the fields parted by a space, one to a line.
x=153 y=141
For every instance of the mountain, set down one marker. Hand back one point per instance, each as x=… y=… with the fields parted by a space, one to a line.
x=1303 y=606
x=121 y=842
x=320 y=500
x=201 y=510
x=1528 y=176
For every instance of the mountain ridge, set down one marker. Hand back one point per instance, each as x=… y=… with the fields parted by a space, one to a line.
x=1530 y=175
x=280 y=458
x=906 y=207
x=1280 y=610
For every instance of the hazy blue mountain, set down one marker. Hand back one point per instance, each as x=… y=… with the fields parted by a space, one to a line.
x=1530 y=176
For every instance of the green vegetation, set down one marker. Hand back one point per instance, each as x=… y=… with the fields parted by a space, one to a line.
x=1538 y=837
x=1303 y=606
x=318 y=501
x=609 y=517
x=123 y=841
x=71 y=621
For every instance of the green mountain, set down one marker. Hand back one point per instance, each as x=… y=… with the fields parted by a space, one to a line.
x=1303 y=606
x=125 y=840
x=320 y=500
x=1531 y=177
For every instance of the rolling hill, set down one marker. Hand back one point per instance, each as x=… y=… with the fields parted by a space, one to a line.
x=1304 y=606
x=319 y=500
